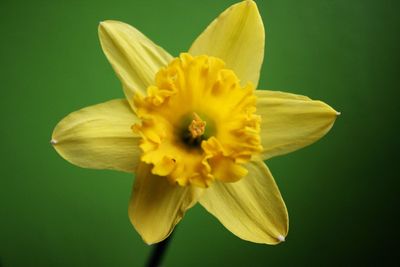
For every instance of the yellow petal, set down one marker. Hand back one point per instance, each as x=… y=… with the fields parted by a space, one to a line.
x=99 y=137
x=222 y=167
x=251 y=208
x=157 y=205
x=133 y=56
x=226 y=170
x=237 y=37
x=290 y=122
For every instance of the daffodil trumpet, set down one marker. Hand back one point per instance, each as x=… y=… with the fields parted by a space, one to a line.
x=194 y=129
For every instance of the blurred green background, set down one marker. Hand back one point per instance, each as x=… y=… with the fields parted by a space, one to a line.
x=341 y=192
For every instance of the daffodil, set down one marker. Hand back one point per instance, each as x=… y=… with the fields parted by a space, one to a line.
x=194 y=129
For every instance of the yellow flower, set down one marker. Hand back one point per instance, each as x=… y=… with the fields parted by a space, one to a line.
x=194 y=129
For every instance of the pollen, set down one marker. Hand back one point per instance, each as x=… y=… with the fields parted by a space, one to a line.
x=197 y=127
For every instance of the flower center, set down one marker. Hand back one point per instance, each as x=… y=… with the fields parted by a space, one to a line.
x=196 y=127
x=193 y=131
x=198 y=123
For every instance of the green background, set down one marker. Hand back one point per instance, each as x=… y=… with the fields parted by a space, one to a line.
x=341 y=192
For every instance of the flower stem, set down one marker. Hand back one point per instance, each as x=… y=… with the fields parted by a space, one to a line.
x=158 y=252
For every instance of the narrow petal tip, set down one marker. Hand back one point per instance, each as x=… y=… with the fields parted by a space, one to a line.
x=281 y=238
x=102 y=22
x=53 y=142
x=338 y=113
x=103 y=25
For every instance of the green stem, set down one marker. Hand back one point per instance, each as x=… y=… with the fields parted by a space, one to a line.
x=158 y=252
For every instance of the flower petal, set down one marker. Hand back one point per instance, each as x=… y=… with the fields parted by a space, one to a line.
x=157 y=205
x=290 y=122
x=251 y=208
x=99 y=137
x=237 y=37
x=135 y=58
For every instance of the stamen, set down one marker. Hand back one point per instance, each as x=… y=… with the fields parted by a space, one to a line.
x=197 y=127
